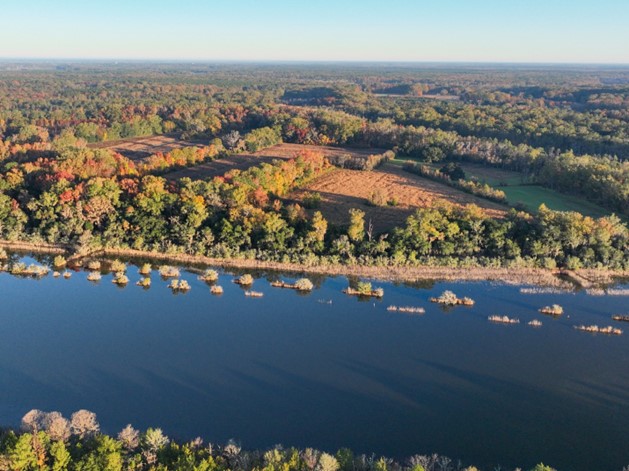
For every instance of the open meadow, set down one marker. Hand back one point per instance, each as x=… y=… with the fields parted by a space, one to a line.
x=400 y=191
x=529 y=195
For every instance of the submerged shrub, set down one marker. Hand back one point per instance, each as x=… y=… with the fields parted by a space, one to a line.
x=120 y=279
x=145 y=269
x=209 y=275
x=245 y=280
x=59 y=261
x=364 y=287
x=167 y=271
x=94 y=265
x=304 y=284
x=118 y=266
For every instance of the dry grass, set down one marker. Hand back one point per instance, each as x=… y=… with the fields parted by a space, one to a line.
x=140 y=148
x=219 y=167
x=343 y=189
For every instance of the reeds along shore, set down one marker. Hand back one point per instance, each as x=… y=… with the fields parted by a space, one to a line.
x=529 y=276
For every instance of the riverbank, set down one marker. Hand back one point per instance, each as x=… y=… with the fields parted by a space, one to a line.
x=559 y=278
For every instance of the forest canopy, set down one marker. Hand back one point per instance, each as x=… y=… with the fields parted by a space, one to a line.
x=62 y=182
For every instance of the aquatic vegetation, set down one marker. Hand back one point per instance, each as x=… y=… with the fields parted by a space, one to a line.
x=303 y=284
x=67 y=274
x=595 y=292
x=364 y=288
x=145 y=269
x=118 y=266
x=56 y=274
x=209 y=276
x=254 y=294
x=535 y=323
x=94 y=265
x=244 y=280
x=609 y=330
x=407 y=309
x=166 y=271
x=448 y=298
x=59 y=261
x=216 y=289
x=503 y=320
x=120 y=279
x=144 y=282
x=179 y=286
x=554 y=310
x=617 y=292
x=620 y=318
x=94 y=276
x=541 y=290
x=33 y=270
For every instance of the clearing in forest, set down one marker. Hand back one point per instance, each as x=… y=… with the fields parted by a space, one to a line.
x=140 y=148
x=404 y=192
x=243 y=161
x=529 y=195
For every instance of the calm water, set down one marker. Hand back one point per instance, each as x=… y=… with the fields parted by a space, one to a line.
x=288 y=369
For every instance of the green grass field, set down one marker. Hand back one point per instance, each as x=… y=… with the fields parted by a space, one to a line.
x=530 y=196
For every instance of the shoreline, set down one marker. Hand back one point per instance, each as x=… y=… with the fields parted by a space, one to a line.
x=584 y=278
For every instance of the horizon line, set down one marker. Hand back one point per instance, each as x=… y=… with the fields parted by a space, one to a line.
x=303 y=61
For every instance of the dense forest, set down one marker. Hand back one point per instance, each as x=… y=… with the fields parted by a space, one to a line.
x=565 y=128
x=48 y=441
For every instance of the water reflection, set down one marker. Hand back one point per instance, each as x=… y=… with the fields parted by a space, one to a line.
x=324 y=369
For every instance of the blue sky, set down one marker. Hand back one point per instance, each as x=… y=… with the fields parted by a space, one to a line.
x=327 y=30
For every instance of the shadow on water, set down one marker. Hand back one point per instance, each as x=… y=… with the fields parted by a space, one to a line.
x=302 y=371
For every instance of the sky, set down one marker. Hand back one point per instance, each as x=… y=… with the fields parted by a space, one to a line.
x=555 y=31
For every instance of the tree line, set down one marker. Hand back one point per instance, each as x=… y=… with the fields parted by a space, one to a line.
x=47 y=441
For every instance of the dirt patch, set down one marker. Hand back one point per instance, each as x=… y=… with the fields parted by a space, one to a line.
x=343 y=189
x=140 y=148
x=244 y=161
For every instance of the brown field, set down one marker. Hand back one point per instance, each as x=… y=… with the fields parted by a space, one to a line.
x=343 y=189
x=244 y=161
x=140 y=148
